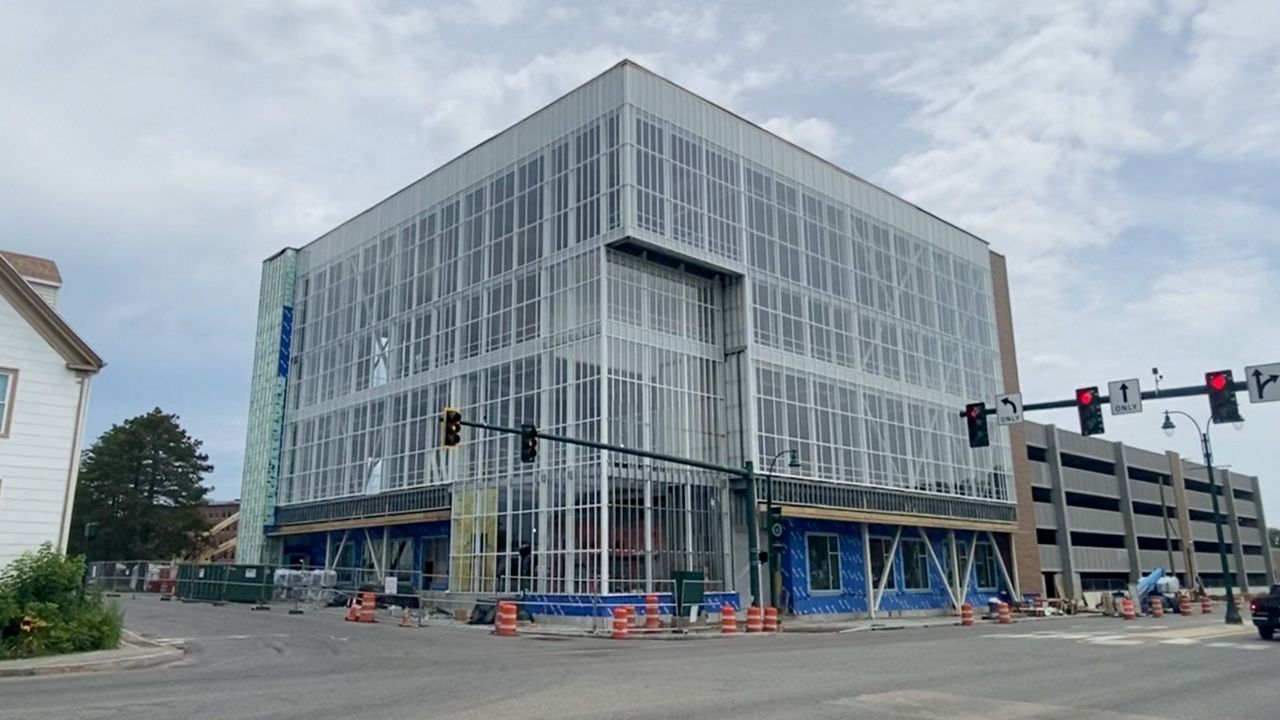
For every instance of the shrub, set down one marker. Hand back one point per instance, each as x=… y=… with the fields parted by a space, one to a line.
x=43 y=608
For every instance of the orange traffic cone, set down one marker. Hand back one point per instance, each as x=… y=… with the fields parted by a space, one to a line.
x=404 y=618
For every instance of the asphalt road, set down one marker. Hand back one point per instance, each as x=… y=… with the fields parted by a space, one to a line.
x=246 y=665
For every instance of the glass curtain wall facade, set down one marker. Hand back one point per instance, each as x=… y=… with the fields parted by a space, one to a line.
x=633 y=264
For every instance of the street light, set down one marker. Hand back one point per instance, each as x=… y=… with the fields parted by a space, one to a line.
x=1233 y=613
x=775 y=566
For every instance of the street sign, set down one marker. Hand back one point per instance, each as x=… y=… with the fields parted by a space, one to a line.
x=776 y=529
x=1008 y=409
x=1126 y=396
x=1264 y=382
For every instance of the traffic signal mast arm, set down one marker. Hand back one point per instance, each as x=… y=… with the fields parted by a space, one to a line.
x=1187 y=391
x=739 y=472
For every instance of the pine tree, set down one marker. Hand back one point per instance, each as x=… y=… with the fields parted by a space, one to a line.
x=141 y=482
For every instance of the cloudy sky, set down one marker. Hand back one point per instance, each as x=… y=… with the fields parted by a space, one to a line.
x=1122 y=153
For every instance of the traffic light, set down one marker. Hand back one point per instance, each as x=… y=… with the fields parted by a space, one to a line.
x=975 y=414
x=1089 y=406
x=451 y=433
x=1222 y=397
x=528 y=443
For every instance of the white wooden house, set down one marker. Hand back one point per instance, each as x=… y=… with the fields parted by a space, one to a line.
x=45 y=371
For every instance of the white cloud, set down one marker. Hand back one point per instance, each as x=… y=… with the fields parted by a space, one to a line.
x=813 y=134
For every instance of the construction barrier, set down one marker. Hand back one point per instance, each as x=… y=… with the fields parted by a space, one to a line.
x=1157 y=606
x=1206 y=605
x=1184 y=604
x=506 y=619
x=353 y=610
x=771 y=619
x=404 y=619
x=1004 y=618
x=1127 y=608
x=368 y=607
x=631 y=615
x=966 y=615
x=652 y=620
x=728 y=620
x=755 y=619
x=621 y=625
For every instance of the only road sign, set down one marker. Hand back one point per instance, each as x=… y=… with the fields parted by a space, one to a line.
x=1009 y=409
x=1126 y=396
x=1264 y=382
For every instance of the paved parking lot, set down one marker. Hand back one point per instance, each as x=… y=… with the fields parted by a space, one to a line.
x=244 y=664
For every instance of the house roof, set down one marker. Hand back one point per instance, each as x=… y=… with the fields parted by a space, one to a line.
x=44 y=319
x=33 y=268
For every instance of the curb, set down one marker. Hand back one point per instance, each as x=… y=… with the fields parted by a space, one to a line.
x=161 y=655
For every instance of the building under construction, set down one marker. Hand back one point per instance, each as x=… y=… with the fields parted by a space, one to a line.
x=637 y=266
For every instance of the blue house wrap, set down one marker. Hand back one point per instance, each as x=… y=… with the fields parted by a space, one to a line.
x=851 y=596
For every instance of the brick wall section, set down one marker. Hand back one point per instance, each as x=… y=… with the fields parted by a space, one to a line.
x=1026 y=549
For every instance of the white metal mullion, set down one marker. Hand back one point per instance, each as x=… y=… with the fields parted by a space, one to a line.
x=936 y=563
x=866 y=563
x=1004 y=572
x=888 y=566
x=968 y=570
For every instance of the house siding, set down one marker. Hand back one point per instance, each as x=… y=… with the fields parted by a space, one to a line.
x=36 y=455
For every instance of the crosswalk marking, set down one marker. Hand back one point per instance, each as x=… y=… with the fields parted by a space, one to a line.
x=1212 y=636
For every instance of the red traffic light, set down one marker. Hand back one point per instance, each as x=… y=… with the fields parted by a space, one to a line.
x=1218 y=381
x=973 y=411
x=1085 y=396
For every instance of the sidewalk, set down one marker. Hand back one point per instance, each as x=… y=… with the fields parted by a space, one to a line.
x=800 y=624
x=133 y=653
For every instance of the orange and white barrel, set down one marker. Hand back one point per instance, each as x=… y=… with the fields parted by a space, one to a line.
x=771 y=619
x=1127 y=608
x=1004 y=618
x=652 y=619
x=1184 y=604
x=506 y=619
x=1157 y=606
x=728 y=620
x=966 y=615
x=621 y=623
x=755 y=619
x=1206 y=605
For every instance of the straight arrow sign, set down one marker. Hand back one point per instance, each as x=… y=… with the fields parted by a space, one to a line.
x=1263 y=382
x=1126 y=396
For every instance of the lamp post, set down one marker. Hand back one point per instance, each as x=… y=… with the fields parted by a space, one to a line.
x=775 y=566
x=1233 y=613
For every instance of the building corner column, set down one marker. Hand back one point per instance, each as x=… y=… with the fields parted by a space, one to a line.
x=1184 y=517
x=1126 y=513
x=1053 y=458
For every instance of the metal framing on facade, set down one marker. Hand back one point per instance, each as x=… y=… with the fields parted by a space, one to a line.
x=637 y=266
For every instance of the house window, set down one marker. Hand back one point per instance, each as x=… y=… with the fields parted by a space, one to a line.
x=915 y=565
x=880 y=558
x=984 y=563
x=8 y=383
x=824 y=562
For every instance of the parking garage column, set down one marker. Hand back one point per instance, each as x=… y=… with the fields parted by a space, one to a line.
x=1184 y=517
x=1053 y=458
x=1233 y=523
x=1126 y=512
x=1264 y=532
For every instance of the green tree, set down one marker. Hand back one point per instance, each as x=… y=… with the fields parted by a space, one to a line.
x=141 y=482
